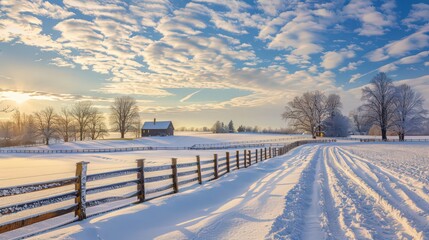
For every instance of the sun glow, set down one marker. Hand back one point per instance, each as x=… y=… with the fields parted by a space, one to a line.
x=17 y=97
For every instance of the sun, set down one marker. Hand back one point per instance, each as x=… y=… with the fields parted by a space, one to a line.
x=17 y=97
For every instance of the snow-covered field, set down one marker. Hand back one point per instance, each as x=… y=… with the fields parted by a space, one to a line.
x=181 y=139
x=345 y=190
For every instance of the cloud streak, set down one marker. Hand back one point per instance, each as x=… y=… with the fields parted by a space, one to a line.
x=187 y=97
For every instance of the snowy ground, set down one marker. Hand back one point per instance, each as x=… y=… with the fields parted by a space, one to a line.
x=346 y=190
x=241 y=205
x=360 y=191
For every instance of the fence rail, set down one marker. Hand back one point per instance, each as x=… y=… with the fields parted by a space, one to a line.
x=96 y=150
x=214 y=146
x=172 y=177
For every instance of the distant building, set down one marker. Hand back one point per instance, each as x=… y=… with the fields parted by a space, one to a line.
x=161 y=128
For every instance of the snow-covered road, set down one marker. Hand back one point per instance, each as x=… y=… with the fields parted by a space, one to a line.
x=353 y=198
x=333 y=191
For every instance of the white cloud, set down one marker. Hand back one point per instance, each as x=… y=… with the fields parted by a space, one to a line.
x=61 y=63
x=9 y=94
x=351 y=66
x=388 y=68
x=333 y=59
x=374 y=23
x=298 y=29
x=355 y=77
x=426 y=64
x=151 y=11
x=187 y=97
x=419 y=14
x=414 y=58
x=271 y=7
x=415 y=41
x=417 y=58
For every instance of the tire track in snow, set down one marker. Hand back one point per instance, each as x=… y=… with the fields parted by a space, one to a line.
x=410 y=185
x=357 y=216
x=329 y=219
x=395 y=213
x=312 y=217
x=412 y=207
x=290 y=224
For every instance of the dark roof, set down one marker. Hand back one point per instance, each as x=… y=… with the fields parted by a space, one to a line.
x=157 y=125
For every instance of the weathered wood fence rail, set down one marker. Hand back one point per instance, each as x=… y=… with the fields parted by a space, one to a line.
x=96 y=150
x=168 y=178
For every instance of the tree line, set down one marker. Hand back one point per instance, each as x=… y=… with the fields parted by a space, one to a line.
x=395 y=109
x=220 y=127
x=79 y=122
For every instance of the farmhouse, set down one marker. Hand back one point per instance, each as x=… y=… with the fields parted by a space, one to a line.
x=161 y=128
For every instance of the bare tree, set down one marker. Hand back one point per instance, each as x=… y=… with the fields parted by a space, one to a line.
x=5 y=108
x=409 y=111
x=65 y=124
x=6 y=131
x=82 y=113
x=300 y=113
x=379 y=103
x=18 y=123
x=310 y=111
x=360 y=122
x=45 y=124
x=333 y=104
x=29 y=129
x=137 y=127
x=124 y=114
x=96 y=125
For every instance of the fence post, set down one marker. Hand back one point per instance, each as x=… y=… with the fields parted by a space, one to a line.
x=256 y=154
x=174 y=171
x=216 y=174
x=80 y=187
x=237 y=158
x=265 y=153
x=245 y=158
x=269 y=152
x=250 y=157
x=261 y=155
x=200 y=179
x=227 y=162
x=140 y=177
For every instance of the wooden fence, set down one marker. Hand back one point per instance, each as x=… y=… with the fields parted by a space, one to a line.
x=172 y=177
x=94 y=150
x=213 y=146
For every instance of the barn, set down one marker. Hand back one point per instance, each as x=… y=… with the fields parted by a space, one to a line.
x=157 y=128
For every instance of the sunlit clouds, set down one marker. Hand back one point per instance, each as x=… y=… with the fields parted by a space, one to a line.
x=271 y=50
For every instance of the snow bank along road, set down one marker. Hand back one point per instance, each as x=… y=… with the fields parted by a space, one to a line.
x=339 y=191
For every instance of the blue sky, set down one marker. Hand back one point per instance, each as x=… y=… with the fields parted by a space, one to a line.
x=204 y=60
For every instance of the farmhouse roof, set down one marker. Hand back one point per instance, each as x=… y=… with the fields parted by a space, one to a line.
x=156 y=125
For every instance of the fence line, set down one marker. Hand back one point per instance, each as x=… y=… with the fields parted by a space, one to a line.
x=238 y=144
x=214 y=146
x=173 y=177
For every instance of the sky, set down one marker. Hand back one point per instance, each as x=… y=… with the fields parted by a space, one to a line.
x=195 y=62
